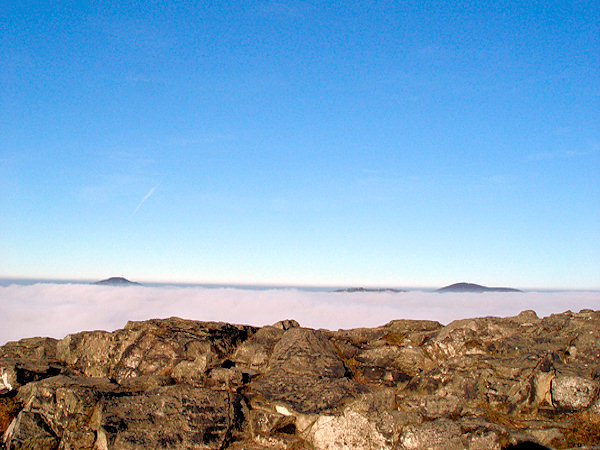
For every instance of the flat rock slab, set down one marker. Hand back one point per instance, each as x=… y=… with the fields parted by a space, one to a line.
x=176 y=416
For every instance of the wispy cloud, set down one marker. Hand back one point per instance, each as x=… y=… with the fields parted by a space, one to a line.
x=548 y=156
x=146 y=197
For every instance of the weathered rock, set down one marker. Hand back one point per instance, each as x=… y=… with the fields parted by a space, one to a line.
x=31 y=432
x=272 y=441
x=303 y=351
x=195 y=371
x=370 y=421
x=225 y=379
x=573 y=393
x=176 y=416
x=27 y=360
x=481 y=383
x=440 y=433
x=303 y=393
x=152 y=347
x=286 y=324
x=15 y=372
x=86 y=412
x=398 y=332
x=351 y=430
x=432 y=406
x=64 y=405
x=264 y=422
x=305 y=373
x=256 y=351
x=480 y=434
x=390 y=365
x=37 y=349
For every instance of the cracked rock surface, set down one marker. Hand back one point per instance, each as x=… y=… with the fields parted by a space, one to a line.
x=483 y=383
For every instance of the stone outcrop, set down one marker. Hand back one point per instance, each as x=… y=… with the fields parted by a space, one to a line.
x=486 y=383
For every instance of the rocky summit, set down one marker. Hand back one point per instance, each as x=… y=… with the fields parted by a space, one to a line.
x=485 y=383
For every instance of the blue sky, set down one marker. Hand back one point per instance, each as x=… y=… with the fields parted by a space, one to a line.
x=336 y=143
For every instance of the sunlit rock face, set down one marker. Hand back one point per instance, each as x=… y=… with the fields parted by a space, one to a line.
x=486 y=383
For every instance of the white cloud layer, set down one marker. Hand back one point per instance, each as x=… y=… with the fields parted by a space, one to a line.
x=59 y=309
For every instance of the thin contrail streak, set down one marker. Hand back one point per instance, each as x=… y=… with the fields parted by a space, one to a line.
x=146 y=197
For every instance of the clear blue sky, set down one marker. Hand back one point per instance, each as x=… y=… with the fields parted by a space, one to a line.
x=404 y=143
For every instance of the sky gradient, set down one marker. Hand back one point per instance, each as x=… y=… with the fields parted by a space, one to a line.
x=313 y=143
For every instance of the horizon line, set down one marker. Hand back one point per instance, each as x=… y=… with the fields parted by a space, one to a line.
x=282 y=285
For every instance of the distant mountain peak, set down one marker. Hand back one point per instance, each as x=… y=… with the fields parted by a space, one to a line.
x=472 y=287
x=117 y=281
x=362 y=289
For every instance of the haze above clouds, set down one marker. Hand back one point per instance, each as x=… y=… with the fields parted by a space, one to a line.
x=58 y=309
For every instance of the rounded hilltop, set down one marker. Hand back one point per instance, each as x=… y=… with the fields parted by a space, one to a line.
x=362 y=289
x=117 y=281
x=471 y=287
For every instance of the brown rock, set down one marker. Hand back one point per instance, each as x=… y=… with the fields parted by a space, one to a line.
x=476 y=383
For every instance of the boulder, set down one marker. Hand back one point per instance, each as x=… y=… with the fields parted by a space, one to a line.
x=440 y=433
x=573 y=392
x=350 y=430
x=254 y=353
x=151 y=347
x=369 y=421
x=27 y=360
x=178 y=416
x=305 y=373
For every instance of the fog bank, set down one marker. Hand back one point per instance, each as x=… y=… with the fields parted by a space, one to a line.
x=58 y=309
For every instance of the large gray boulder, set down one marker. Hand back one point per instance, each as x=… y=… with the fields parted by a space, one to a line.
x=154 y=347
x=573 y=392
x=305 y=373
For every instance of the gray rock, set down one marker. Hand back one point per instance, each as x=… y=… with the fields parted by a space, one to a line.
x=303 y=351
x=256 y=351
x=286 y=324
x=176 y=416
x=64 y=405
x=305 y=373
x=440 y=433
x=27 y=360
x=151 y=347
x=37 y=348
x=351 y=430
x=391 y=365
x=85 y=412
x=305 y=393
x=30 y=431
x=573 y=392
x=195 y=371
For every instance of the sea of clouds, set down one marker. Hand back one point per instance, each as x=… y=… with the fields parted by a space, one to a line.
x=55 y=310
